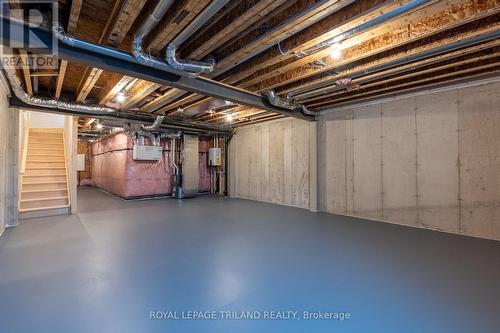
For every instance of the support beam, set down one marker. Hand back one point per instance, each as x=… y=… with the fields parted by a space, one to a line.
x=124 y=63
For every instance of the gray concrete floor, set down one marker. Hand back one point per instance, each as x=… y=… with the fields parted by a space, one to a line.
x=106 y=268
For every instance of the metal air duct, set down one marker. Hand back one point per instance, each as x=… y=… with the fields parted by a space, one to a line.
x=155 y=125
x=20 y=93
x=191 y=65
x=287 y=103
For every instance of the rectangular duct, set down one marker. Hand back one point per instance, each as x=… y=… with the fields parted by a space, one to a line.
x=190 y=173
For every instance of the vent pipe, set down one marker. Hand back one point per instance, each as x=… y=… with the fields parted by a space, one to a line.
x=20 y=93
x=155 y=125
x=147 y=26
x=287 y=103
x=191 y=65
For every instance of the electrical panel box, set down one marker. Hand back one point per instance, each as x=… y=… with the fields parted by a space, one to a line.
x=214 y=156
x=147 y=153
x=80 y=162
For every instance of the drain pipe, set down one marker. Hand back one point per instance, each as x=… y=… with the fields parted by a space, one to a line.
x=191 y=65
x=287 y=103
x=20 y=93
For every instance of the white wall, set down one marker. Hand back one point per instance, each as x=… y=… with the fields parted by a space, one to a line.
x=430 y=161
x=271 y=162
x=46 y=120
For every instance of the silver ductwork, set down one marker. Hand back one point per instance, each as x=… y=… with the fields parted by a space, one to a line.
x=188 y=65
x=155 y=125
x=154 y=138
x=63 y=37
x=191 y=65
x=287 y=103
x=147 y=26
x=278 y=101
x=20 y=93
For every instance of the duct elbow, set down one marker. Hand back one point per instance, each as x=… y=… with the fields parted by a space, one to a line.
x=286 y=103
x=155 y=125
x=306 y=111
x=275 y=100
x=188 y=65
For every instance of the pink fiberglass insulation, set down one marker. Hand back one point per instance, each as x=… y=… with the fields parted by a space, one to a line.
x=114 y=170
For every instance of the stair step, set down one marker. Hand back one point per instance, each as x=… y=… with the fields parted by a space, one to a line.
x=44 y=186
x=43 y=143
x=43 y=194
x=45 y=155
x=45 y=158
x=43 y=202
x=49 y=165
x=43 y=208
x=44 y=167
x=49 y=175
x=43 y=199
x=48 y=160
x=43 y=179
x=43 y=183
x=43 y=211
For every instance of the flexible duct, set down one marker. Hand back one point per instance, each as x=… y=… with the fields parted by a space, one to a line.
x=191 y=65
x=20 y=93
x=155 y=125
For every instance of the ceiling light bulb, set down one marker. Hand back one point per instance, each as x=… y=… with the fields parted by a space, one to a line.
x=120 y=97
x=335 y=51
x=98 y=126
x=229 y=118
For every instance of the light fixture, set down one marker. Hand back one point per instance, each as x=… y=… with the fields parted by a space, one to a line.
x=120 y=97
x=98 y=126
x=336 y=51
x=229 y=117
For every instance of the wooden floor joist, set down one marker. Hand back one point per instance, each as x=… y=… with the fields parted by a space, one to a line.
x=280 y=45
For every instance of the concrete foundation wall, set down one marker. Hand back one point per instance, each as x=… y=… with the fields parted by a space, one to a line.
x=9 y=154
x=271 y=162
x=430 y=161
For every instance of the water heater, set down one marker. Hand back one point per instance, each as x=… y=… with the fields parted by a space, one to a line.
x=214 y=157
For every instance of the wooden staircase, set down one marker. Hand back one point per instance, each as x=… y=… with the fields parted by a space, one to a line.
x=44 y=183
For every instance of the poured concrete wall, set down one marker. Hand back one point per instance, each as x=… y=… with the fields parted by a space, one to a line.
x=271 y=162
x=430 y=161
x=9 y=155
